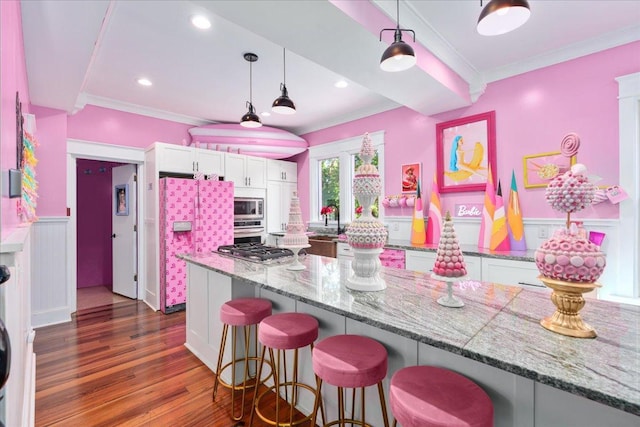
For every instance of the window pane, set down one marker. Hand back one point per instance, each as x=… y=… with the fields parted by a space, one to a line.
x=357 y=162
x=330 y=182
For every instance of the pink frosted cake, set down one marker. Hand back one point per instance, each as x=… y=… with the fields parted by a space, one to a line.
x=366 y=234
x=449 y=258
x=296 y=231
x=569 y=257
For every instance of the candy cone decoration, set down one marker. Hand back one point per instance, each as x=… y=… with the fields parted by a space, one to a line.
x=499 y=235
x=449 y=258
x=418 y=235
x=486 y=225
x=515 y=227
x=434 y=224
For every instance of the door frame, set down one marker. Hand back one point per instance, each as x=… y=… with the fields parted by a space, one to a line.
x=79 y=149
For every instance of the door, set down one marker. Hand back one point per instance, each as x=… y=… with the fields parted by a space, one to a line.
x=124 y=221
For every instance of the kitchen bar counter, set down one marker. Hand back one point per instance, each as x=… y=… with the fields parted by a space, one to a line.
x=498 y=327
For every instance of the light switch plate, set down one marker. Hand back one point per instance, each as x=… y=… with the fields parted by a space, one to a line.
x=182 y=226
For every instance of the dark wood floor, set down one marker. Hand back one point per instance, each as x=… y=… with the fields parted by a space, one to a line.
x=125 y=365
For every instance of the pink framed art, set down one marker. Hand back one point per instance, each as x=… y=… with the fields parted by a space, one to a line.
x=465 y=151
x=410 y=177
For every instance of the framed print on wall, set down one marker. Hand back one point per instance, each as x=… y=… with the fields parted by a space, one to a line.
x=541 y=168
x=121 y=193
x=465 y=151
x=411 y=174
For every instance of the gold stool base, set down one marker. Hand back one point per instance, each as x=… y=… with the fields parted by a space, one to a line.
x=568 y=299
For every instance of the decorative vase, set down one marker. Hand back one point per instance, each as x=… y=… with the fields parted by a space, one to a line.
x=326 y=221
x=366 y=235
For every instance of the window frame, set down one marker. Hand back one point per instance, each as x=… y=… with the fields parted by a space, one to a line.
x=343 y=149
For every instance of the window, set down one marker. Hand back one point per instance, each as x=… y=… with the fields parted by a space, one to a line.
x=331 y=169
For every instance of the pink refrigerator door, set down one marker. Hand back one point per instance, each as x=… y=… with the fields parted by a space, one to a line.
x=215 y=215
x=177 y=203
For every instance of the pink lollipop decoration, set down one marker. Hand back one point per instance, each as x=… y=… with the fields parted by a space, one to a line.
x=570 y=144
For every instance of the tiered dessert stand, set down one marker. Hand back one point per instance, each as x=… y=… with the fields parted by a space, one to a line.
x=449 y=300
x=296 y=265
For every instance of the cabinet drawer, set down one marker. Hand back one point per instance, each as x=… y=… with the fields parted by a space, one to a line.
x=510 y=272
x=344 y=250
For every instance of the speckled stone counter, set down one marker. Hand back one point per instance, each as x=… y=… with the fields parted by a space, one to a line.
x=498 y=325
x=467 y=250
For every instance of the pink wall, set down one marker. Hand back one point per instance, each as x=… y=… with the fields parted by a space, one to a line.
x=533 y=113
x=13 y=77
x=94 y=244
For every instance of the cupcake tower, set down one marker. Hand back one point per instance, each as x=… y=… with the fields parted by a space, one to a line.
x=568 y=262
x=295 y=237
x=366 y=235
x=449 y=263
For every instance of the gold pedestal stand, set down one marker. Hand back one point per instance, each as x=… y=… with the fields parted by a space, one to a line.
x=567 y=297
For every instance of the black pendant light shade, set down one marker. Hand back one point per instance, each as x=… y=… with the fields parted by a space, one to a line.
x=501 y=16
x=399 y=56
x=250 y=119
x=283 y=104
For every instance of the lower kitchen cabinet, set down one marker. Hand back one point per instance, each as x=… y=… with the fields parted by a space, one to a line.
x=510 y=272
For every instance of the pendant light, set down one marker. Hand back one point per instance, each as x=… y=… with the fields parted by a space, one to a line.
x=501 y=16
x=251 y=119
x=399 y=56
x=283 y=104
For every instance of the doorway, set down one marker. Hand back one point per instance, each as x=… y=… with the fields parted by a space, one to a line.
x=99 y=259
x=79 y=152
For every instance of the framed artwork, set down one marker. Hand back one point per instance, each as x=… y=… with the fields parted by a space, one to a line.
x=411 y=174
x=121 y=193
x=541 y=168
x=465 y=150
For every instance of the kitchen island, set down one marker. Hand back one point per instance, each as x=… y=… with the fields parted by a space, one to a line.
x=533 y=376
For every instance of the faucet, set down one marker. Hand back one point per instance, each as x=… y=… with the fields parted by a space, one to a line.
x=337 y=211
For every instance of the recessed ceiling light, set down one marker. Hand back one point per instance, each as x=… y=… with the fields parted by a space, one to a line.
x=341 y=84
x=144 y=82
x=201 y=22
x=265 y=114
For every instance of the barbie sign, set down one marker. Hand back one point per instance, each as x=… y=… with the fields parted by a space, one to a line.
x=469 y=210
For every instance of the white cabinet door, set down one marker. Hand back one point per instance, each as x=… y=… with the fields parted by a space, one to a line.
x=246 y=171
x=420 y=261
x=281 y=170
x=175 y=158
x=510 y=272
x=278 y=201
x=209 y=162
x=474 y=267
x=256 y=170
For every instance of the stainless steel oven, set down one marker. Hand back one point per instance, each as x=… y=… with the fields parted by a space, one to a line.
x=248 y=208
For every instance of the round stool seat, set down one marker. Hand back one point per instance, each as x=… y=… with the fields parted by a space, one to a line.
x=245 y=311
x=427 y=396
x=285 y=331
x=350 y=361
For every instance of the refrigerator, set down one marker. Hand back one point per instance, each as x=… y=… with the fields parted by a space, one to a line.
x=196 y=216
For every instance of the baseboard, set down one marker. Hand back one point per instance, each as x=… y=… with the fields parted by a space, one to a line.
x=50 y=317
x=29 y=402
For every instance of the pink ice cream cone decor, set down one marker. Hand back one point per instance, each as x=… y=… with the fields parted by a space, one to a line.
x=568 y=262
x=366 y=234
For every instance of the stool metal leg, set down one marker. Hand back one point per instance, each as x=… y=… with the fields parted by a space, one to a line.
x=385 y=417
x=225 y=328
x=341 y=406
x=259 y=375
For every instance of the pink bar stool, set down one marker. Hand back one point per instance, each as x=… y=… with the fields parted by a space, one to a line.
x=427 y=396
x=281 y=332
x=240 y=312
x=350 y=361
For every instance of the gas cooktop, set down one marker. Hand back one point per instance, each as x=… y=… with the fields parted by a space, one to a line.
x=256 y=252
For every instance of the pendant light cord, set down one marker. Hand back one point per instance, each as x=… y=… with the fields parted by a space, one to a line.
x=251 y=83
x=284 y=65
x=398 y=12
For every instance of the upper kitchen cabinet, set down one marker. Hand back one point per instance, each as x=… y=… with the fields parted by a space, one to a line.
x=246 y=171
x=182 y=159
x=280 y=170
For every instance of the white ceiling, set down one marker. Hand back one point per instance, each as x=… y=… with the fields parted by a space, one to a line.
x=92 y=52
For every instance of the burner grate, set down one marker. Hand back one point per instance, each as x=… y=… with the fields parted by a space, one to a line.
x=255 y=251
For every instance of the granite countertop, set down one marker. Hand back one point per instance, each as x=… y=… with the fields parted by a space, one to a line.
x=499 y=324
x=474 y=250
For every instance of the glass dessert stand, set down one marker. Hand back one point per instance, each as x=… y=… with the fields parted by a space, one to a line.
x=449 y=300
x=296 y=265
x=567 y=297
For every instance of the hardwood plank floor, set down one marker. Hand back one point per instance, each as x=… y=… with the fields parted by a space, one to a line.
x=126 y=365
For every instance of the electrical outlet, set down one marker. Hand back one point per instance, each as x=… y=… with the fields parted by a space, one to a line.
x=396 y=226
x=543 y=232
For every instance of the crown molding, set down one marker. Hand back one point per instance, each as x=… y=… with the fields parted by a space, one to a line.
x=576 y=50
x=99 y=101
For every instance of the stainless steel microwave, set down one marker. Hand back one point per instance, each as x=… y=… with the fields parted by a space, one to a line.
x=248 y=208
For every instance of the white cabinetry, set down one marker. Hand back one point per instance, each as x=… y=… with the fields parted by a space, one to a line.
x=278 y=201
x=510 y=272
x=420 y=261
x=182 y=159
x=280 y=170
x=246 y=171
x=282 y=178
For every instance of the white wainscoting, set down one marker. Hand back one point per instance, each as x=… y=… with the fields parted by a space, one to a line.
x=468 y=229
x=51 y=302
x=15 y=310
